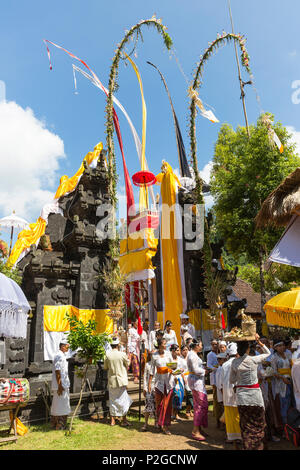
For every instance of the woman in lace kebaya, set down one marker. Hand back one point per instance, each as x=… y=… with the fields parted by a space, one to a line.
x=196 y=383
x=163 y=385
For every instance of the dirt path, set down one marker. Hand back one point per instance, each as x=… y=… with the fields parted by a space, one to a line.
x=181 y=439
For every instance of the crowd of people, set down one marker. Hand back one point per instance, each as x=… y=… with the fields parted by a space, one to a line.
x=255 y=384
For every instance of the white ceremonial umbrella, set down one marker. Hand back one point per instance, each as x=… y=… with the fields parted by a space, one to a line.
x=14 y=308
x=12 y=222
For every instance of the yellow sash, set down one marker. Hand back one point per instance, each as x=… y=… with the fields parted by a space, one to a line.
x=286 y=371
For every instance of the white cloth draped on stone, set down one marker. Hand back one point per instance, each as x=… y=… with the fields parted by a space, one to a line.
x=52 y=339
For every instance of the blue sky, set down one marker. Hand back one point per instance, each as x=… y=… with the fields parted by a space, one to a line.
x=65 y=125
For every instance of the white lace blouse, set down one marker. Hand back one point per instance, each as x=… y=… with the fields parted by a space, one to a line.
x=162 y=381
x=170 y=338
x=244 y=372
x=196 y=375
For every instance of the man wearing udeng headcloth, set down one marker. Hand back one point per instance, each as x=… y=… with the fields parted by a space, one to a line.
x=60 y=408
x=116 y=363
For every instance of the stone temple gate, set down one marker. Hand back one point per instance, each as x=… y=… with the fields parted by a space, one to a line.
x=64 y=270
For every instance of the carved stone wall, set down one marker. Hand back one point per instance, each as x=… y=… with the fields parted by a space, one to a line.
x=67 y=275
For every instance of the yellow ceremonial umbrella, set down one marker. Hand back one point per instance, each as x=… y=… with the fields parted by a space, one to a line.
x=284 y=309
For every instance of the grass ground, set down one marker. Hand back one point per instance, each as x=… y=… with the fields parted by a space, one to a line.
x=93 y=435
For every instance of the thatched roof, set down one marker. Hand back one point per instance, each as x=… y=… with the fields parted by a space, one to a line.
x=282 y=203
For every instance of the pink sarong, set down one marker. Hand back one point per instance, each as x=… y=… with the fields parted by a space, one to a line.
x=200 y=409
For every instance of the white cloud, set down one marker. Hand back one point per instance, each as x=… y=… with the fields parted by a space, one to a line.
x=292 y=53
x=206 y=172
x=295 y=137
x=29 y=159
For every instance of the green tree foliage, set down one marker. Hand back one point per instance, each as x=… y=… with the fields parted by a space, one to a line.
x=12 y=273
x=83 y=336
x=245 y=171
x=278 y=278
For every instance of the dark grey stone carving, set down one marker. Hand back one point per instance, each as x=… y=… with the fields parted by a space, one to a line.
x=65 y=275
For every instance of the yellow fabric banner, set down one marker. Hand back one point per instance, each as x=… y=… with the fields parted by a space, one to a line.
x=67 y=185
x=160 y=319
x=55 y=320
x=195 y=319
x=136 y=261
x=172 y=291
x=136 y=253
x=29 y=237
x=139 y=240
x=143 y=190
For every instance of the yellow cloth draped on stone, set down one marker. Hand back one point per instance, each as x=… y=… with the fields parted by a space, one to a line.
x=172 y=292
x=67 y=185
x=31 y=236
x=26 y=238
x=55 y=318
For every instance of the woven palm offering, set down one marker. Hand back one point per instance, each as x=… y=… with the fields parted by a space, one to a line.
x=246 y=333
x=248 y=325
x=122 y=335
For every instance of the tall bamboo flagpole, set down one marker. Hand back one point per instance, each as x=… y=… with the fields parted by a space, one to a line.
x=239 y=73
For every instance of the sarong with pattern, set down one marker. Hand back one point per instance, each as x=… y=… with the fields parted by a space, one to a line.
x=252 y=424
x=135 y=366
x=200 y=409
x=150 y=404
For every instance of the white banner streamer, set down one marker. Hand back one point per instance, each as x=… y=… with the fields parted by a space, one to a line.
x=136 y=138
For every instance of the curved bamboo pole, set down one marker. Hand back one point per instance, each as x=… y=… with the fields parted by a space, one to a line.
x=221 y=40
x=112 y=87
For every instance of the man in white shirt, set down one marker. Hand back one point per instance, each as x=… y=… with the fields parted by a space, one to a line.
x=212 y=364
x=116 y=363
x=145 y=335
x=152 y=336
x=185 y=320
x=232 y=418
x=222 y=357
x=296 y=382
x=60 y=408
x=295 y=350
x=134 y=350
